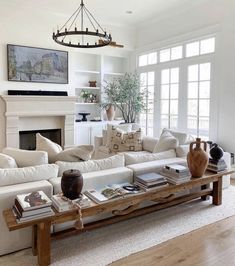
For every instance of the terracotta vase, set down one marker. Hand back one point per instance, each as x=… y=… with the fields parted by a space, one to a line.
x=197 y=158
x=71 y=184
x=110 y=113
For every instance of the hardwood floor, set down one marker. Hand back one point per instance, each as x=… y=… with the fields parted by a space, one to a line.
x=210 y=245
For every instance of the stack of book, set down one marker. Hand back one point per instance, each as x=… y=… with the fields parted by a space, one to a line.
x=216 y=166
x=176 y=173
x=61 y=204
x=151 y=181
x=32 y=206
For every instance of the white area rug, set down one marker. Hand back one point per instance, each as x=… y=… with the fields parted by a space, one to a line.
x=110 y=243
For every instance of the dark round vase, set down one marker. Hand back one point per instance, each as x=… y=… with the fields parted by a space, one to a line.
x=216 y=152
x=71 y=184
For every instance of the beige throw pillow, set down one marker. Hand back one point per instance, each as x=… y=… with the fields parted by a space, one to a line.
x=110 y=128
x=126 y=141
x=80 y=153
x=7 y=161
x=166 y=142
x=44 y=144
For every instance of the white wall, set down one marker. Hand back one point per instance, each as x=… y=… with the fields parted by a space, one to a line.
x=24 y=27
x=209 y=16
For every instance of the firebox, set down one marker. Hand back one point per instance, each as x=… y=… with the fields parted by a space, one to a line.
x=28 y=138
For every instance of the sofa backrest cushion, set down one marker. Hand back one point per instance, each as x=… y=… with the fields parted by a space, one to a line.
x=138 y=157
x=7 y=161
x=27 y=174
x=182 y=137
x=149 y=143
x=182 y=150
x=93 y=165
x=45 y=144
x=26 y=158
x=166 y=142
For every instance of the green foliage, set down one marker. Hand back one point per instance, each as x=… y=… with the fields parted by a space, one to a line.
x=124 y=93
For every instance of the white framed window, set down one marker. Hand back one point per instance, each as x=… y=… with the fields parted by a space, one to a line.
x=169 y=98
x=148 y=59
x=146 y=117
x=205 y=46
x=198 y=114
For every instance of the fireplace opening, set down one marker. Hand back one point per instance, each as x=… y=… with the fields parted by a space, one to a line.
x=28 y=138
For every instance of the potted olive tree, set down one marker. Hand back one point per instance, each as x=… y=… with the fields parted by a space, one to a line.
x=124 y=94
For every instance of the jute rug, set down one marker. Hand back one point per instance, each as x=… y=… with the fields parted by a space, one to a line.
x=108 y=244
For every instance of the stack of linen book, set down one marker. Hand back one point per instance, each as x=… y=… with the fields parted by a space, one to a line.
x=32 y=206
x=151 y=181
x=216 y=166
x=176 y=173
x=62 y=204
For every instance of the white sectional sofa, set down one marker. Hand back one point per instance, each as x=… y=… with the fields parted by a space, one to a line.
x=47 y=177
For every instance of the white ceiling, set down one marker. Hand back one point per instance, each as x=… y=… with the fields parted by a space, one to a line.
x=109 y=12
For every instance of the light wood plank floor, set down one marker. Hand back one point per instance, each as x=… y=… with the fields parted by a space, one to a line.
x=212 y=245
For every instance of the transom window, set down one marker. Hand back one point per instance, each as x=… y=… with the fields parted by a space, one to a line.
x=148 y=59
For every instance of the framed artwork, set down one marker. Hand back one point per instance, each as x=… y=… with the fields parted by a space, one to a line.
x=31 y=64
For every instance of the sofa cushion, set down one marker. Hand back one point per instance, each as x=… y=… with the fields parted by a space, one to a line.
x=45 y=144
x=27 y=174
x=7 y=161
x=80 y=153
x=181 y=136
x=153 y=166
x=99 y=178
x=138 y=157
x=26 y=158
x=166 y=142
x=110 y=128
x=182 y=150
x=149 y=143
x=93 y=165
x=126 y=141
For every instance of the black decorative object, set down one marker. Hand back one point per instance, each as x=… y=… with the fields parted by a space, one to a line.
x=216 y=152
x=37 y=93
x=71 y=184
x=84 y=116
x=33 y=64
x=82 y=36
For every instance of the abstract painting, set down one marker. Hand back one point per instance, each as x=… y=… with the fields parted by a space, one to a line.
x=31 y=64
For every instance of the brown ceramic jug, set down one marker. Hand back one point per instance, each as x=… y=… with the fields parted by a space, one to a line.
x=197 y=158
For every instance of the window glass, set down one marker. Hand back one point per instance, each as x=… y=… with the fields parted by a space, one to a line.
x=192 y=49
x=165 y=55
x=207 y=46
x=152 y=58
x=176 y=52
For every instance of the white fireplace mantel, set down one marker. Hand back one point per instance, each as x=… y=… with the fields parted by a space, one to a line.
x=39 y=112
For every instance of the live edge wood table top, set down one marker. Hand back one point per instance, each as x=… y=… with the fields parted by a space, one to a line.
x=121 y=208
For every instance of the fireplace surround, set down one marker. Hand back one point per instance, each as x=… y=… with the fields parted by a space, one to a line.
x=33 y=113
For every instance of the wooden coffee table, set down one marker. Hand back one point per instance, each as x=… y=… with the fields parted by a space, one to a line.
x=121 y=208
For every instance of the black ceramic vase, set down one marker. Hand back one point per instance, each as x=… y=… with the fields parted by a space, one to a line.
x=71 y=184
x=216 y=152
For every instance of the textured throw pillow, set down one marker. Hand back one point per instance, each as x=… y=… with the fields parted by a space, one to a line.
x=27 y=174
x=7 y=161
x=182 y=137
x=44 y=144
x=166 y=142
x=25 y=158
x=126 y=141
x=138 y=157
x=93 y=165
x=80 y=153
x=111 y=128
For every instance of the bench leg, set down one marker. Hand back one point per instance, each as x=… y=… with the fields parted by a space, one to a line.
x=34 y=240
x=44 y=243
x=217 y=192
x=205 y=187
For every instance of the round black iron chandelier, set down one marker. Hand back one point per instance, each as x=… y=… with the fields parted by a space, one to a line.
x=82 y=37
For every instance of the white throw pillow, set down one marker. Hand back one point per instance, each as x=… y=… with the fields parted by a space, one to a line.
x=138 y=157
x=80 y=153
x=93 y=165
x=166 y=142
x=27 y=174
x=122 y=127
x=182 y=150
x=149 y=143
x=44 y=144
x=181 y=136
x=26 y=158
x=7 y=161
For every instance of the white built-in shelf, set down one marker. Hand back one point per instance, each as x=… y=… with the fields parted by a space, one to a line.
x=114 y=74
x=86 y=103
x=87 y=71
x=88 y=88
